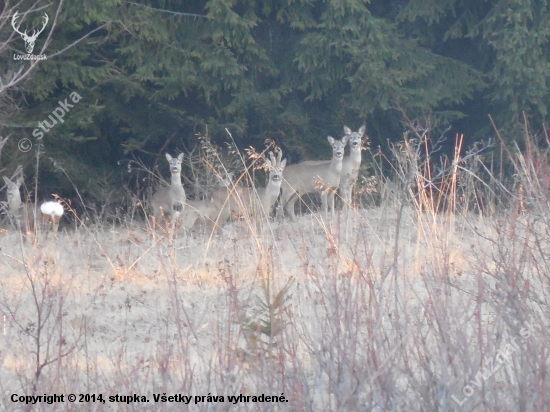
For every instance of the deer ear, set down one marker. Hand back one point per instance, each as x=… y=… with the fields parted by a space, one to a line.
x=168 y=157
x=347 y=130
x=361 y=131
x=8 y=181
x=180 y=157
x=268 y=163
x=330 y=139
x=283 y=164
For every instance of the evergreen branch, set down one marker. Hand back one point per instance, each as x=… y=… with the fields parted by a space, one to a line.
x=78 y=41
x=176 y=13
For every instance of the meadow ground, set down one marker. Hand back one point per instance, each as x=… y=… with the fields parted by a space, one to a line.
x=388 y=308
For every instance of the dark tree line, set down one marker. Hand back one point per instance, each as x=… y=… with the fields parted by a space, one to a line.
x=153 y=74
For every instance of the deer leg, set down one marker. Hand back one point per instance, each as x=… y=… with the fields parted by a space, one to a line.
x=289 y=207
x=324 y=202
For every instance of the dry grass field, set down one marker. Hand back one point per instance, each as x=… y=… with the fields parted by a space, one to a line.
x=415 y=304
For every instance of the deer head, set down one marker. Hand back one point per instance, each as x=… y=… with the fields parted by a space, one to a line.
x=29 y=40
x=275 y=166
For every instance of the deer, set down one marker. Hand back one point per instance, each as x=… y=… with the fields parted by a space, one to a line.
x=51 y=214
x=229 y=198
x=23 y=213
x=197 y=210
x=29 y=40
x=268 y=195
x=350 y=165
x=309 y=177
x=216 y=208
x=168 y=202
x=224 y=197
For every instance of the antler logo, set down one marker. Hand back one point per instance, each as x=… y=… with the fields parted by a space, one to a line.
x=29 y=40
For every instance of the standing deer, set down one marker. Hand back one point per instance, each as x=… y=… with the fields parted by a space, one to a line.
x=350 y=165
x=23 y=213
x=268 y=195
x=305 y=177
x=169 y=202
x=198 y=210
x=230 y=198
x=51 y=213
x=227 y=198
x=216 y=208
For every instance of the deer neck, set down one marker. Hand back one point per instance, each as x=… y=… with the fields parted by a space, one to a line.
x=273 y=189
x=176 y=180
x=15 y=204
x=336 y=164
x=176 y=186
x=353 y=161
x=355 y=156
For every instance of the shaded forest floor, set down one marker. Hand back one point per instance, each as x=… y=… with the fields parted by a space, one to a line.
x=383 y=309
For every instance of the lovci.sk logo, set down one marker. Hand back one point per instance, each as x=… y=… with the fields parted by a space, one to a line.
x=29 y=39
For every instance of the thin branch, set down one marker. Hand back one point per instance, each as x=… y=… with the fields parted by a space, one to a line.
x=54 y=23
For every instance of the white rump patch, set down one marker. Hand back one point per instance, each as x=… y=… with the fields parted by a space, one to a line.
x=52 y=209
